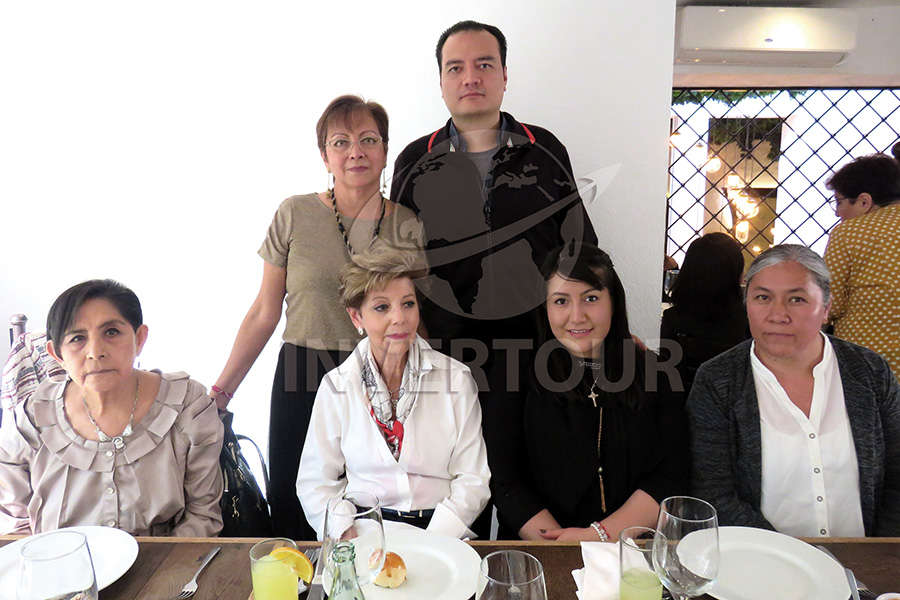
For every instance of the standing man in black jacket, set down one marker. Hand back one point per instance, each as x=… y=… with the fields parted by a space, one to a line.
x=495 y=197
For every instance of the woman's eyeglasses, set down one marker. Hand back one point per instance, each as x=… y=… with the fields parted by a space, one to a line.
x=343 y=144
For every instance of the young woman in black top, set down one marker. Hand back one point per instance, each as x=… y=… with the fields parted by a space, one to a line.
x=599 y=438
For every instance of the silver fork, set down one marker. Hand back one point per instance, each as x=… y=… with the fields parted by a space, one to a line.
x=190 y=588
x=313 y=555
x=860 y=586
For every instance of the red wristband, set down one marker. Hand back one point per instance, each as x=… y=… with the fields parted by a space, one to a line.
x=219 y=390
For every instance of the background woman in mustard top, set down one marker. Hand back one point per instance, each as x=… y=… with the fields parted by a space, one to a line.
x=863 y=255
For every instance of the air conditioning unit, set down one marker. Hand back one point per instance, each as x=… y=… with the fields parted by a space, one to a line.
x=765 y=36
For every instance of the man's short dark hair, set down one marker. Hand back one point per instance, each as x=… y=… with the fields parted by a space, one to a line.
x=471 y=26
x=877 y=175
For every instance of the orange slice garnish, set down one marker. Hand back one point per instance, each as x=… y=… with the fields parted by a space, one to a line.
x=298 y=561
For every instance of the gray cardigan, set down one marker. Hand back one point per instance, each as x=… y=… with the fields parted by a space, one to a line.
x=726 y=440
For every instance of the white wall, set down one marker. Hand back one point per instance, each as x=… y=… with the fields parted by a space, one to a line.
x=153 y=142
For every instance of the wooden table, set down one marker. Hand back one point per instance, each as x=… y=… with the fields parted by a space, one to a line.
x=163 y=565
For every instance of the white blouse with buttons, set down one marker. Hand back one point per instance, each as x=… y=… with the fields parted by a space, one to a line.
x=810 y=477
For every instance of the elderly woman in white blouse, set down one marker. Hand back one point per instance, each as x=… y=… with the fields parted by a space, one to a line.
x=795 y=430
x=110 y=444
x=397 y=419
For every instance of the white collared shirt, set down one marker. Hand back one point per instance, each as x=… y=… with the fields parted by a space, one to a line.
x=810 y=477
x=443 y=460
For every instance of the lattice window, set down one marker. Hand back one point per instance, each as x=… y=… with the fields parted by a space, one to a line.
x=753 y=163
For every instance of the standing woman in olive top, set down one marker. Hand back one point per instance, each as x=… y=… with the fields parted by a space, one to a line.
x=311 y=237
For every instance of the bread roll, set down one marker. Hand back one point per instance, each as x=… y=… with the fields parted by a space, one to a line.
x=393 y=573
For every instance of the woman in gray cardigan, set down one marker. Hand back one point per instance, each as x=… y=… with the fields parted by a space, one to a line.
x=794 y=430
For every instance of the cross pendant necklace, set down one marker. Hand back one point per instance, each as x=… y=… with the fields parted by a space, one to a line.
x=593 y=395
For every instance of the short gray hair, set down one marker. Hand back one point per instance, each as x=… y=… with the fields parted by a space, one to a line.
x=801 y=255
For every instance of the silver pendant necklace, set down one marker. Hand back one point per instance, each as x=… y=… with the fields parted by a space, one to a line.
x=593 y=395
x=597 y=367
x=118 y=440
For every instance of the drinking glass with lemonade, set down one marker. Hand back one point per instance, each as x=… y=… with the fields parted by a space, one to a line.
x=637 y=579
x=276 y=566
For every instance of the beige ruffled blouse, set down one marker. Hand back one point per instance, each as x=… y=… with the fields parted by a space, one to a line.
x=166 y=481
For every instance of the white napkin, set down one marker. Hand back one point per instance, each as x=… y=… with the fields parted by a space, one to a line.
x=599 y=579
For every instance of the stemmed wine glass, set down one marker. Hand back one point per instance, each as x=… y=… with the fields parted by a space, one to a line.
x=511 y=575
x=56 y=565
x=354 y=517
x=686 y=546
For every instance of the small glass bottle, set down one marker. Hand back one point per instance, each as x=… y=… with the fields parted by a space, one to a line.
x=345 y=585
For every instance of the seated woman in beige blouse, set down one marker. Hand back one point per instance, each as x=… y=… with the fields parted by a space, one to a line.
x=110 y=444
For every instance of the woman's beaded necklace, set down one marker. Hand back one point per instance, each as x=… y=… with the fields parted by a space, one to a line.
x=118 y=440
x=343 y=230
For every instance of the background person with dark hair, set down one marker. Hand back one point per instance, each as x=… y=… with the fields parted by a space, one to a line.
x=311 y=237
x=864 y=184
x=708 y=315
x=110 y=444
x=863 y=255
x=600 y=438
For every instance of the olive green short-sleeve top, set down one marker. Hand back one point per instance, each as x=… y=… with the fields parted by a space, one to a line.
x=304 y=239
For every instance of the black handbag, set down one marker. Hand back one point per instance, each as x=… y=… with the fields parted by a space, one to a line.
x=245 y=511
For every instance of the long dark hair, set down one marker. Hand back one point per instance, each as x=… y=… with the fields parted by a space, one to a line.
x=709 y=284
x=622 y=363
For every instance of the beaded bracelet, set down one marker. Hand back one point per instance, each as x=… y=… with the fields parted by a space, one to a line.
x=602 y=533
x=216 y=389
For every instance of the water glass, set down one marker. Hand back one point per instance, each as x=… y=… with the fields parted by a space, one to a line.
x=56 y=565
x=637 y=579
x=272 y=578
x=511 y=575
x=354 y=517
x=686 y=546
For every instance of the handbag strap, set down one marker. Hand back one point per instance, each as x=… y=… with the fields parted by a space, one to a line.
x=262 y=462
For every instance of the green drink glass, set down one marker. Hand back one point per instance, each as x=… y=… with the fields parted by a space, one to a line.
x=637 y=579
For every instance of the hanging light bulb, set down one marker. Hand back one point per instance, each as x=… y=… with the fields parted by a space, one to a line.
x=713 y=165
x=742 y=231
x=674 y=126
x=744 y=204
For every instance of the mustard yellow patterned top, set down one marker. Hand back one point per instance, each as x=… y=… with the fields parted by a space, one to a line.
x=863 y=255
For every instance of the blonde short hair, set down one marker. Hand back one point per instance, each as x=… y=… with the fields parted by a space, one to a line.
x=375 y=269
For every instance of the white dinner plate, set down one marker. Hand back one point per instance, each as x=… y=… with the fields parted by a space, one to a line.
x=437 y=567
x=113 y=551
x=759 y=564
